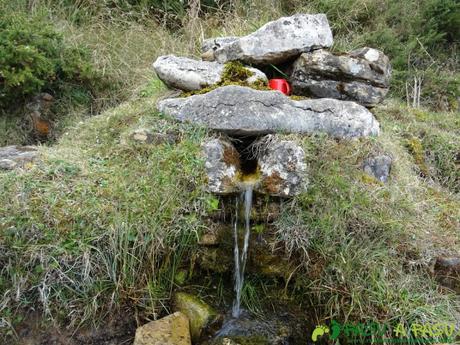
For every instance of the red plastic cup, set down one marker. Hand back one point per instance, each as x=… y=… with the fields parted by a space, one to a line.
x=280 y=85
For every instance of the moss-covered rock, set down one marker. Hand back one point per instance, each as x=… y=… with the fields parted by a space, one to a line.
x=234 y=73
x=199 y=313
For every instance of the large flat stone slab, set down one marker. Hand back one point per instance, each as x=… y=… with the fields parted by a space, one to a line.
x=275 y=42
x=363 y=75
x=189 y=74
x=242 y=110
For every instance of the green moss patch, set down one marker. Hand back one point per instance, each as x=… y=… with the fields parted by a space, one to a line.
x=415 y=147
x=234 y=74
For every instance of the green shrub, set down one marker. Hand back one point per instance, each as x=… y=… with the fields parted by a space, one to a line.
x=34 y=57
x=419 y=37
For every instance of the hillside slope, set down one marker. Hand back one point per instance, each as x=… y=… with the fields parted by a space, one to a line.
x=103 y=222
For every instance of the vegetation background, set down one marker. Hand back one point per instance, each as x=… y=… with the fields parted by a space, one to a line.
x=89 y=230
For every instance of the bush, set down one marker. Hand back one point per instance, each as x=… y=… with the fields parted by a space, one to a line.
x=419 y=37
x=34 y=58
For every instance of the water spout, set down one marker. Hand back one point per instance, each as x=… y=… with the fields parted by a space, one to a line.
x=240 y=259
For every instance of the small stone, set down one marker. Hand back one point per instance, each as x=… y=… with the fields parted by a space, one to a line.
x=142 y=135
x=170 y=330
x=199 y=313
x=7 y=164
x=225 y=341
x=147 y=137
x=378 y=167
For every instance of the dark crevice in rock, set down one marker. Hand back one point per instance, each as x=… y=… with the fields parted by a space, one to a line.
x=248 y=158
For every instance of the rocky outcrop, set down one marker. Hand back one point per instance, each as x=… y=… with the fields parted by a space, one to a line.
x=282 y=168
x=242 y=110
x=12 y=157
x=222 y=164
x=378 y=166
x=188 y=74
x=276 y=41
x=170 y=330
x=199 y=313
x=363 y=75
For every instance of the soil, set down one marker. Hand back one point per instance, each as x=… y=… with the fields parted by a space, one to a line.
x=119 y=330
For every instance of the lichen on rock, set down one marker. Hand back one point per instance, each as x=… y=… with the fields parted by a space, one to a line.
x=222 y=165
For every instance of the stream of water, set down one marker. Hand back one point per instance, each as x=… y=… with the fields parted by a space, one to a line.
x=240 y=258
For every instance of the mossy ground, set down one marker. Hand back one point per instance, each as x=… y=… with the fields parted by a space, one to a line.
x=100 y=220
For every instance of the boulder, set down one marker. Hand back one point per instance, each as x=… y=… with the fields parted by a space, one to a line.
x=276 y=41
x=199 y=313
x=242 y=110
x=362 y=75
x=282 y=168
x=378 y=167
x=170 y=330
x=189 y=74
x=222 y=164
x=16 y=156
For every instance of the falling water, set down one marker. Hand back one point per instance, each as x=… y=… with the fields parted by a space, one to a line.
x=240 y=259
